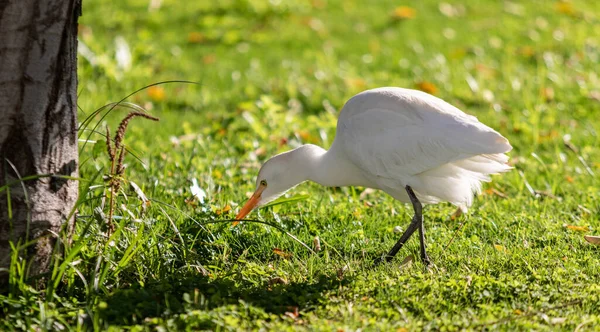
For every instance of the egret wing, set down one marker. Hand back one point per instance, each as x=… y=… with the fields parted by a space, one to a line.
x=395 y=144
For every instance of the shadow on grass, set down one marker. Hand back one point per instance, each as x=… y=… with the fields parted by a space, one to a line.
x=180 y=295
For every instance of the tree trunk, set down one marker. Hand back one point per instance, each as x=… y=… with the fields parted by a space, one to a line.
x=38 y=125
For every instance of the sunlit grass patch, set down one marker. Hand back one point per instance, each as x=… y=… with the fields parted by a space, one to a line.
x=272 y=76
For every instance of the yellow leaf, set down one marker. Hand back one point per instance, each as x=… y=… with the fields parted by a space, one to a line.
x=156 y=93
x=527 y=51
x=404 y=13
x=486 y=71
x=226 y=209
x=307 y=137
x=545 y=136
x=500 y=248
x=459 y=212
x=427 y=87
x=281 y=253
x=547 y=93
x=577 y=228
x=356 y=83
x=318 y=4
x=564 y=7
x=195 y=37
x=208 y=59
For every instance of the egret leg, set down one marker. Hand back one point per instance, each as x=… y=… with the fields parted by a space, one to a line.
x=416 y=223
x=424 y=256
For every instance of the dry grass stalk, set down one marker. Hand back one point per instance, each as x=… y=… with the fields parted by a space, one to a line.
x=116 y=154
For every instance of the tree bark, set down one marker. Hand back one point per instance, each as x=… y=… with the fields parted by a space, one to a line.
x=38 y=125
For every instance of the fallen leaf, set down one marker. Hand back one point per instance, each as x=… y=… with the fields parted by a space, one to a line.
x=281 y=253
x=527 y=51
x=404 y=13
x=318 y=4
x=427 y=87
x=317 y=243
x=407 y=261
x=593 y=239
x=577 y=228
x=564 y=7
x=459 y=212
x=195 y=37
x=191 y=202
x=493 y=191
x=209 y=59
x=547 y=94
x=156 y=93
x=306 y=136
x=278 y=281
x=355 y=83
x=217 y=174
x=500 y=248
x=292 y=314
x=226 y=209
x=486 y=71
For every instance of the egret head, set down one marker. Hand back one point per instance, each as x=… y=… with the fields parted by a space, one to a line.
x=278 y=175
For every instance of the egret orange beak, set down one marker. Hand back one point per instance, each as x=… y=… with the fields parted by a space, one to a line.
x=250 y=204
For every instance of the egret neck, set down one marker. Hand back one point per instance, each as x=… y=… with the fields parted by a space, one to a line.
x=329 y=167
x=307 y=162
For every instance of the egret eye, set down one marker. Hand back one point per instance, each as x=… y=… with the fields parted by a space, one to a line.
x=263 y=182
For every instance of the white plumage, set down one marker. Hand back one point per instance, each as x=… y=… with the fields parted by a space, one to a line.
x=399 y=137
x=398 y=140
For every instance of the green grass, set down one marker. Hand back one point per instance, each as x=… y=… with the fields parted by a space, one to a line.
x=273 y=75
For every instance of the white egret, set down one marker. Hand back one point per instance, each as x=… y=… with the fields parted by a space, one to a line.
x=412 y=145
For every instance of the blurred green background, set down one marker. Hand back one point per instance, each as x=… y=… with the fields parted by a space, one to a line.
x=273 y=75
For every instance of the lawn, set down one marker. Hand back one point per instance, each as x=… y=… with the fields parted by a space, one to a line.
x=272 y=75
